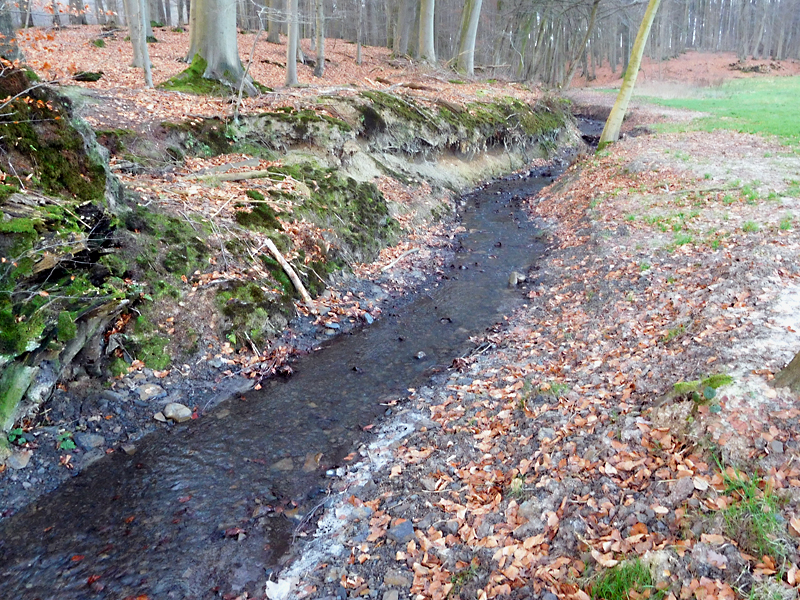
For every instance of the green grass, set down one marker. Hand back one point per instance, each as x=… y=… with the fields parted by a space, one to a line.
x=617 y=583
x=750 y=227
x=765 y=105
x=754 y=521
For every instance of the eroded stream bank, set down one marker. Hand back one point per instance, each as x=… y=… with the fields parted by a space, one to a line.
x=208 y=506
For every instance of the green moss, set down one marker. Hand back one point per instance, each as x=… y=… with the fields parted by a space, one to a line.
x=100 y=43
x=65 y=328
x=261 y=216
x=191 y=81
x=253 y=312
x=717 y=381
x=255 y=195
x=116 y=264
x=356 y=212
x=118 y=367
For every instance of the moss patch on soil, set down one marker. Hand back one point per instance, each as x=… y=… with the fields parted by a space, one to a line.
x=252 y=312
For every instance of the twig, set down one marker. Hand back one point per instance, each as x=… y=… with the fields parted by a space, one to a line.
x=398 y=259
x=289 y=271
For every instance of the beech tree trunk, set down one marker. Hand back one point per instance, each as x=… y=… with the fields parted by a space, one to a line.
x=426 y=51
x=292 y=43
x=790 y=375
x=213 y=39
x=614 y=122
x=319 y=69
x=469 y=31
x=133 y=12
x=8 y=43
x=274 y=23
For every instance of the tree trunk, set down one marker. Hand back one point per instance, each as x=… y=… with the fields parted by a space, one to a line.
x=405 y=17
x=274 y=22
x=614 y=123
x=790 y=375
x=292 y=43
x=359 y=30
x=213 y=39
x=8 y=43
x=581 y=51
x=426 y=50
x=466 y=39
x=145 y=53
x=133 y=10
x=319 y=68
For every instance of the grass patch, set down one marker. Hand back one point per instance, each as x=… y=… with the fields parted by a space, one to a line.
x=765 y=105
x=629 y=579
x=750 y=227
x=754 y=521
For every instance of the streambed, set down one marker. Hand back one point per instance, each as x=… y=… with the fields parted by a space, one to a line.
x=208 y=507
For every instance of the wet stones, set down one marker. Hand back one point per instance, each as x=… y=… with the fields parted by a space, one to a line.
x=177 y=412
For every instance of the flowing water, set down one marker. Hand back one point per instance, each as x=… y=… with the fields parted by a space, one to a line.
x=206 y=508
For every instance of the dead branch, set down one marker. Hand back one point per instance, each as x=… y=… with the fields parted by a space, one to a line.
x=298 y=285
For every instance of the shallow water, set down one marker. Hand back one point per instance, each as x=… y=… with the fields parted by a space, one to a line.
x=165 y=521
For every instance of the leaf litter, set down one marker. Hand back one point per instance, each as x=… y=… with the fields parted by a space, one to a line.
x=567 y=448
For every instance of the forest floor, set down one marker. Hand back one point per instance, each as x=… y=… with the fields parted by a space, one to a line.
x=625 y=412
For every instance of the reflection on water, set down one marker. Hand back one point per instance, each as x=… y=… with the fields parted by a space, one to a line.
x=201 y=508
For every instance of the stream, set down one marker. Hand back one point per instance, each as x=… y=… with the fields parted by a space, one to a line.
x=208 y=507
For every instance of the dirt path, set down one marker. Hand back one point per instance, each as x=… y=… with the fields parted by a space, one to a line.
x=563 y=446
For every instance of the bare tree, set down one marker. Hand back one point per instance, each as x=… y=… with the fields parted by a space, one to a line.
x=426 y=51
x=469 y=30
x=292 y=43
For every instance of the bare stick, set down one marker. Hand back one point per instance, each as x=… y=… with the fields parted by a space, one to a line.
x=399 y=258
x=289 y=271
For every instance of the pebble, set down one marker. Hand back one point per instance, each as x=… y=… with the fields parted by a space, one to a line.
x=19 y=460
x=128 y=449
x=112 y=396
x=390 y=595
x=285 y=464
x=776 y=447
x=549 y=596
x=402 y=532
x=159 y=416
x=420 y=355
x=396 y=578
x=150 y=391
x=88 y=441
x=177 y=412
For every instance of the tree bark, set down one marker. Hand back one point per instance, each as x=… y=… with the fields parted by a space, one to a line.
x=426 y=50
x=8 y=43
x=273 y=23
x=614 y=122
x=213 y=39
x=133 y=11
x=144 y=52
x=359 y=30
x=319 y=68
x=466 y=39
x=790 y=375
x=292 y=43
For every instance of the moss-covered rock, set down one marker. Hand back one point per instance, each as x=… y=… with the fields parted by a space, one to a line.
x=252 y=312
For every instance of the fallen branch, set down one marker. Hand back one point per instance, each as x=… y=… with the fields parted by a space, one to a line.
x=298 y=285
x=236 y=176
x=398 y=259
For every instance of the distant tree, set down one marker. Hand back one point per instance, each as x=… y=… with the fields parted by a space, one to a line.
x=426 y=51
x=292 y=43
x=8 y=43
x=319 y=69
x=614 y=122
x=466 y=39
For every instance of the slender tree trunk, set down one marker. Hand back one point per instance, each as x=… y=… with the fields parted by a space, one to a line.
x=142 y=41
x=273 y=22
x=134 y=10
x=790 y=375
x=426 y=51
x=292 y=43
x=319 y=68
x=581 y=50
x=614 y=123
x=466 y=39
x=359 y=30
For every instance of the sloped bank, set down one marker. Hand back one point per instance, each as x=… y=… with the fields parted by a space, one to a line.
x=153 y=261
